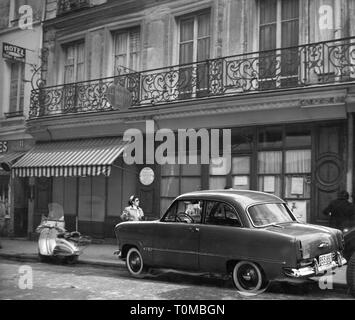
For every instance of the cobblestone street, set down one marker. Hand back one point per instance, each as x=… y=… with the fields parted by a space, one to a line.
x=52 y=281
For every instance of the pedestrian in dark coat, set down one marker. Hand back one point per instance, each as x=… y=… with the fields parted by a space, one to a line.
x=340 y=210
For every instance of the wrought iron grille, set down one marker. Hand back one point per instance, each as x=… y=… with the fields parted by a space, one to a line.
x=65 y=6
x=311 y=64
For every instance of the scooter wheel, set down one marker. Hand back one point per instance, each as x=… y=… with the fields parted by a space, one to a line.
x=71 y=259
x=42 y=258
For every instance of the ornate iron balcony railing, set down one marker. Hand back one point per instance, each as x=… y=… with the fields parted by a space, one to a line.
x=319 y=63
x=66 y=6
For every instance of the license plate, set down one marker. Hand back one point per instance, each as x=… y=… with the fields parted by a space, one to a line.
x=325 y=259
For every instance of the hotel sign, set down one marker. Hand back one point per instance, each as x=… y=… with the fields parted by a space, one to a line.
x=14 y=53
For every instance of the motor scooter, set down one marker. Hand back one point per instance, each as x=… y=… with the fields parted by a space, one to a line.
x=56 y=243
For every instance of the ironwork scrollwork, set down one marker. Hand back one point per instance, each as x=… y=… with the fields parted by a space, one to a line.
x=310 y=64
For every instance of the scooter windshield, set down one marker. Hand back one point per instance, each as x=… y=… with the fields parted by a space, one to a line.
x=55 y=211
x=55 y=218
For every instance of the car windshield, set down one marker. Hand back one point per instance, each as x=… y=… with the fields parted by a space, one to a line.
x=269 y=213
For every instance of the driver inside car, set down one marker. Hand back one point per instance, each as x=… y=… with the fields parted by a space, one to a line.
x=193 y=209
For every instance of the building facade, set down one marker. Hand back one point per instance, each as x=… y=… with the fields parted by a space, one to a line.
x=21 y=39
x=278 y=74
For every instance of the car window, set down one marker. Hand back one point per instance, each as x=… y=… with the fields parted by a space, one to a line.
x=170 y=214
x=186 y=211
x=219 y=213
x=269 y=213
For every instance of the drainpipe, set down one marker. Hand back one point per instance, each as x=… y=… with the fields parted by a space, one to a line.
x=349 y=174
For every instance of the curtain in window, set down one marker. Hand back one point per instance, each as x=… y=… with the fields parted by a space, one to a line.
x=134 y=49
x=267 y=37
x=74 y=63
x=186 y=40
x=267 y=41
x=270 y=162
x=120 y=51
x=80 y=62
x=127 y=50
x=217 y=183
x=203 y=43
x=289 y=36
x=241 y=165
x=69 y=64
x=298 y=161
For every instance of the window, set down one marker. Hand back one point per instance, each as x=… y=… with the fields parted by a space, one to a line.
x=65 y=6
x=14 y=11
x=177 y=179
x=241 y=172
x=127 y=48
x=269 y=171
x=74 y=62
x=186 y=211
x=91 y=201
x=278 y=28
x=284 y=166
x=218 y=213
x=265 y=214
x=17 y=88
x=239 y=177
x=194 y=45
x=270 y=137
x=298 y=137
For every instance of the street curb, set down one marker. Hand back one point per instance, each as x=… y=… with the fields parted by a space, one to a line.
x=19 y=257
x=34 y=258
x=103 y=263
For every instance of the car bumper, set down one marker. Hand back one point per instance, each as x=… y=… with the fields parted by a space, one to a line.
x=315 y=269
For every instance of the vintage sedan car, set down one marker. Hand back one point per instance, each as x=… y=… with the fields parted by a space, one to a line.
x=251 y=235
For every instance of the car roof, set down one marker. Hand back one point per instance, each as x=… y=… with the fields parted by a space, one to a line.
x=243 y=197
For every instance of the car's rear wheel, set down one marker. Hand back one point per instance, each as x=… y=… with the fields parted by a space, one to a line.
x=248 y=277
x=134 y=263
x=350 y=274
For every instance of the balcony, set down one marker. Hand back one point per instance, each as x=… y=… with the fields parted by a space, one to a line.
x=322 y=63
x=67 y=6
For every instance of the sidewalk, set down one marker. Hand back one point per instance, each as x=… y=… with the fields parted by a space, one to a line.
x=97 y=255
x=94 y=254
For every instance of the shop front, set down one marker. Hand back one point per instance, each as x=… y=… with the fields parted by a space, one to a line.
x=305 y=164
x=86 y=178
x=13 y=191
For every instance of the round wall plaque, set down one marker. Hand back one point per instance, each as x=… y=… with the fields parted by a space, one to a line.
x=146 y=176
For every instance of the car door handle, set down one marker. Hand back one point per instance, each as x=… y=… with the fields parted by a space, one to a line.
x=194 y=229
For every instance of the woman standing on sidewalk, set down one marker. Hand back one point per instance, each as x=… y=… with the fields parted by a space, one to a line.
x=133 y=212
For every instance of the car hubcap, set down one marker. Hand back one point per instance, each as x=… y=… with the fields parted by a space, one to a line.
x=135 y=262
x=248 y=277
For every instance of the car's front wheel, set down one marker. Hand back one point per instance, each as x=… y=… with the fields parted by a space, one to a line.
x=350 y=274
x=134 y=263
x=249 y=278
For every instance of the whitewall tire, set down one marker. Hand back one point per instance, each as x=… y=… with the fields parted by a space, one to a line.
x=249 y=278
x=134 y=263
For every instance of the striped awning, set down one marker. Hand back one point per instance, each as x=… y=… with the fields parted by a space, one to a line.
x=7 y=160
x=11 y=157
x=74 y=158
